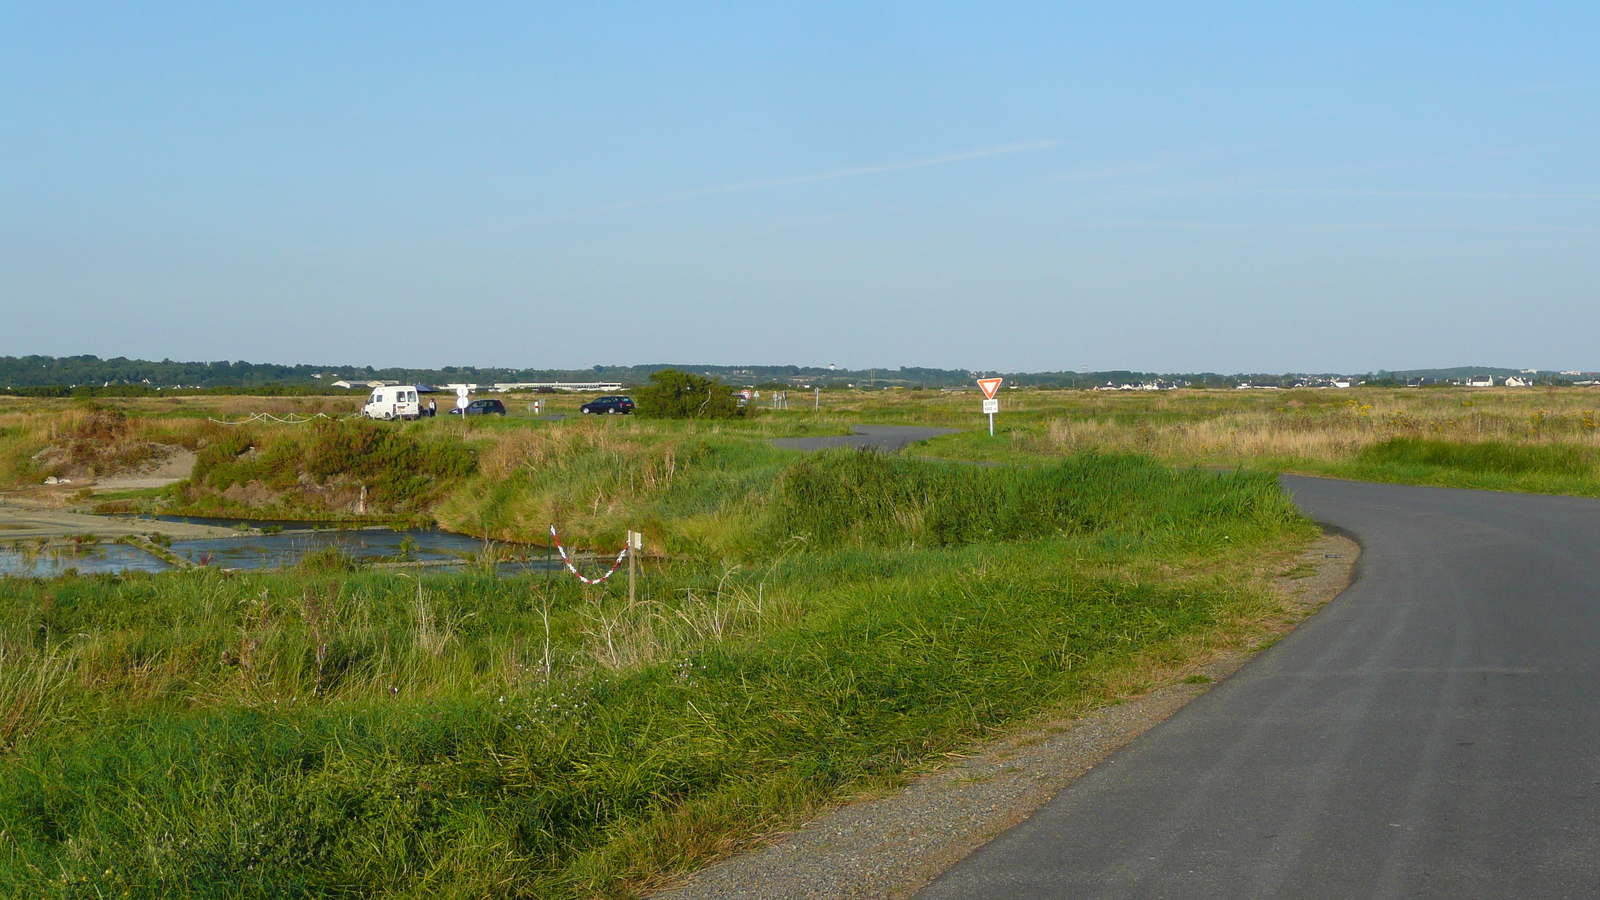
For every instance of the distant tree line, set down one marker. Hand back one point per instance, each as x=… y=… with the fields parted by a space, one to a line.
x=63 y=376
x=144 y=390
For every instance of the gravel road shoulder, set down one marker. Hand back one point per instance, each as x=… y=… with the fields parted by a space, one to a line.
x=889 y=847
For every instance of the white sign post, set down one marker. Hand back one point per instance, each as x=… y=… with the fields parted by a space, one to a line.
x=635 y=546
x=990 y=404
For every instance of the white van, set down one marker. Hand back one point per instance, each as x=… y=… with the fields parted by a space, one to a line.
x=393 y=401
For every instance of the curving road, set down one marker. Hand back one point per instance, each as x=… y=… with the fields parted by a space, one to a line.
x=1434 y=732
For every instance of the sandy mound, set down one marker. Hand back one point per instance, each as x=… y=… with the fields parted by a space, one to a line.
x=170 y=463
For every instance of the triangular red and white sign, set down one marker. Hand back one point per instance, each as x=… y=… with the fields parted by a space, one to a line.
x=990 y=386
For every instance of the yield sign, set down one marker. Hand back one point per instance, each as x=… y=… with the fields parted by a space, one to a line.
x=990 y=385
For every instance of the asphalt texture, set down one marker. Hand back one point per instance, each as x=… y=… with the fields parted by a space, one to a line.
x=886 y=438
x=1433 y=732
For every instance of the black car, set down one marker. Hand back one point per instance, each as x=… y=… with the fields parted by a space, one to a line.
x=608 y=406
x=481 y=408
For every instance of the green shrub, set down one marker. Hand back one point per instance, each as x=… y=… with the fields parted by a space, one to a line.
x=218 y=463
x=397 y=467
x=400 y=471
x=672 y=394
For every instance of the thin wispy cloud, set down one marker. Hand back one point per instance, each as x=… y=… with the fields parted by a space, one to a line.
x=1462 y=195
x=1281 y=227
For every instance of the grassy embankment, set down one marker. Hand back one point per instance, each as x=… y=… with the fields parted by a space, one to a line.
x=825 y=626
x=83 y=440
x=326 y=470
x=311 y=472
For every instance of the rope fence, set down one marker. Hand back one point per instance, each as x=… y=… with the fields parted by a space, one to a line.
x=621 y=555
x=291 y=419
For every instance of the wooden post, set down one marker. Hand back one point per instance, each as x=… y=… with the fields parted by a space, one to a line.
x=635 y=544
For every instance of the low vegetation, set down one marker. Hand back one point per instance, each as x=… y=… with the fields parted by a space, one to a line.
x=331 y=468
x=672 y=394
x=806 y=628
x=332 y=732
x=84 y=440
x=1542 y=439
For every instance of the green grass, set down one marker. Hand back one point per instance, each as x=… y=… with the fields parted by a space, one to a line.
x=1481 y=465
x=1542 y=467
x=1481 y=458
x=333 y=733
x=866 y=499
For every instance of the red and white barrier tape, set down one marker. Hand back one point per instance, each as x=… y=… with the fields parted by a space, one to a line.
x=574 y=570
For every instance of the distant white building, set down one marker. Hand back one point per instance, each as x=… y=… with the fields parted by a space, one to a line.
x=1480 y=381
x=347 y=385
x=1518 y=381
x=592 y=386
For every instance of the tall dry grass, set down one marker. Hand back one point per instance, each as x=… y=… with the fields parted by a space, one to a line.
x=88 y=440
x=594 y=480
x=1328 y=429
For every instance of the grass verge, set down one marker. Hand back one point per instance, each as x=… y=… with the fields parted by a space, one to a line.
x=356 y=733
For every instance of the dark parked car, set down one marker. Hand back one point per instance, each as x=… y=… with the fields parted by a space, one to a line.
x=481 y=408
x=608 y=406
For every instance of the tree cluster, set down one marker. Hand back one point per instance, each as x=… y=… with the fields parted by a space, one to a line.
x=674 y=394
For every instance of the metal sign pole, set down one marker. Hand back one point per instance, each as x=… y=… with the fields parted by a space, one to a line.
x=990 y=404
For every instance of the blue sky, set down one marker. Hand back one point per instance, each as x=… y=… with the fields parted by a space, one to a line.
x=1226 y=187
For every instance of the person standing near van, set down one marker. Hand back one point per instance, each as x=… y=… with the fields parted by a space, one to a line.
x=433 y=408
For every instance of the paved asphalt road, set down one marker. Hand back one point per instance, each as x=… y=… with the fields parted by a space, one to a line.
x=1433 y=732
x=878 y=437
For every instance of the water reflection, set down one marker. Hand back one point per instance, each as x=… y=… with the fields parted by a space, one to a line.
x=430 y=550
x=30 y=560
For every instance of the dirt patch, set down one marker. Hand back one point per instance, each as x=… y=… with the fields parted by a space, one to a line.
x=169 y=463
x=889 y=847
x=33 y=522
x=254 y=495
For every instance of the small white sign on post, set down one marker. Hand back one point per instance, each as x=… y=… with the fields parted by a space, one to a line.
x=635 y=544
x=990 y=404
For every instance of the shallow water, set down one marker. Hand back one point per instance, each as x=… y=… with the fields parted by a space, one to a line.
x=93 y=559
x=270 y=551
x=440 y=550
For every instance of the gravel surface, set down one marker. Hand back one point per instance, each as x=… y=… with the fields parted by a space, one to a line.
x=891 y=846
